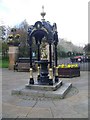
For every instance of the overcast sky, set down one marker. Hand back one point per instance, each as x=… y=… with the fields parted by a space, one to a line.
x=71 y=16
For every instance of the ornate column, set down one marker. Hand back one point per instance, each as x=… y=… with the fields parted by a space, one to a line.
x=56 y=68
x=55 y=44
x=50 y=69
x=31 y=70
x=38 y=44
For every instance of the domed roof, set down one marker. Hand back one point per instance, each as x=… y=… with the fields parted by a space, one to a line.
x=43 y=29
x=47 y=25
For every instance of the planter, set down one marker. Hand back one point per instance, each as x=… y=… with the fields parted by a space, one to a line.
x=69 y=72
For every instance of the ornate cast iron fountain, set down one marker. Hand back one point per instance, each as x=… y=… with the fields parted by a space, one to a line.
x=44 y=34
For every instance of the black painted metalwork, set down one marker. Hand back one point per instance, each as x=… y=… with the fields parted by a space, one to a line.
x=50 y=55
x=40 y=30
x=44 y=78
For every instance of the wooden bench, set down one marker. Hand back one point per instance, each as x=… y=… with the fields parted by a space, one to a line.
x=23 y=64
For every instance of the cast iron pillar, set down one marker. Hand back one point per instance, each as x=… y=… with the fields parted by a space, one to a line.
x=38 y=77
x=55 y=44
x=50 y=69
x=31 y=70
x=56 y=68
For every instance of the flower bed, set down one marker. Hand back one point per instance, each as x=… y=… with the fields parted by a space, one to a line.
x=68 y=71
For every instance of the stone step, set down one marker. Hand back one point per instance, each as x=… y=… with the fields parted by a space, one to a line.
x=44 y=87
x=63 y=90
x=58 y=94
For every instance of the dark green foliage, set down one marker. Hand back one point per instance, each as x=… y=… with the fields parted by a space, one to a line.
x=4 y=49
x=24 y=51
x=4 y=62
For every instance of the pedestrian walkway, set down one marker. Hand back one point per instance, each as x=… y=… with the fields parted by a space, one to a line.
x=74 y=105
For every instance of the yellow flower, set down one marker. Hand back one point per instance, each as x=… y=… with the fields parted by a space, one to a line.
x=72 y=66
x=62 y=66
x=76 y=65
x=68 y=66
x=59 y=66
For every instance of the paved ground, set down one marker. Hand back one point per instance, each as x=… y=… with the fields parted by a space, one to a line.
x=74 y=105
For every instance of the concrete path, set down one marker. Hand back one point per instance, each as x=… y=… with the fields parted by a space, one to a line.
x=74 y=105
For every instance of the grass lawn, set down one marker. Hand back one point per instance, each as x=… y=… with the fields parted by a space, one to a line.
x=0 y=63
x=4 y=63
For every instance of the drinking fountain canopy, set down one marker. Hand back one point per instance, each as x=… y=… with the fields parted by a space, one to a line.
x=43 y=30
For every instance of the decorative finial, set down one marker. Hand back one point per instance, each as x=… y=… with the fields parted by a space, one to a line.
x=43 y=13
x=43 y=8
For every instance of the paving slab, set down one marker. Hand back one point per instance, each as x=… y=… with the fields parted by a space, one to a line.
x=11 y=111
x=45 y=104
x=40 y=113
x=26 y=103
x=74 y=105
